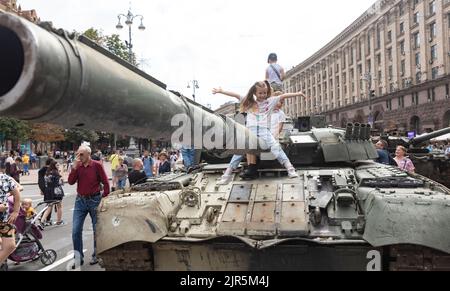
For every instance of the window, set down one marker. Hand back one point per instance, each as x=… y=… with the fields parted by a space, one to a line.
x=389 y=36
x=379 y=77
x=390 y=73
x=402 y=68
x=401 y=9
x=402 y=28
x=434 y=52
x=379 y=59
x=389 y=53
x=389 y=104
x=432 y=7
x=448 y=19
x=368 y=43
x=416 y=17
x=415 y=98
x=433 y=32
x=401 y=102
x=431 y=95
x=402 y=47
x=417 y=58
x=416 y=38
x=418 y=77
x=434 y=73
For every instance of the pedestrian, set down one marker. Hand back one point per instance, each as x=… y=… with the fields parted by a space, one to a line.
x=403 y=162
x=7 y=219
x=47 y=220
x=26 y=164
x=114 y=159
x=14 y=169
x=89 y=175
x=164 y=166
x=54 y=191
x=137 y=176
x=148 y=164
x=383 y=154
x=275 y=73
x=33 y=161
x=121 y=173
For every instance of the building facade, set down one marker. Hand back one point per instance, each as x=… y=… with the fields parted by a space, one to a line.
x=12 y=6
x=390 y=68
x=228 y=109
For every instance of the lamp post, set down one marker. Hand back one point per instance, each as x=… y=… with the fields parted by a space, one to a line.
x=367 y=77
x=194 y=87
x=129 y=18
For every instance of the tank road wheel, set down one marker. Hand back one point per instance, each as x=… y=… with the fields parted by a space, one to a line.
x=48 y=257
x=135 y=256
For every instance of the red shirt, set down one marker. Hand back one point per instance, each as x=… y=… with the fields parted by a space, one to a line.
x=89 y=178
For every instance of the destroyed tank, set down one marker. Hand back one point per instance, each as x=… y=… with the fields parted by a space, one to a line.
x=344 y=212
x=434 y=165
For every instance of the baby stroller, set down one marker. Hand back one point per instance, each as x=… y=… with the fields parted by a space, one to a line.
x=28 y=236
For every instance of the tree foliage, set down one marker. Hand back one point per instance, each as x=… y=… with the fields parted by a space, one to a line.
x=13 y=129
x=45 y=132
x=113 y=43
x=77 y=136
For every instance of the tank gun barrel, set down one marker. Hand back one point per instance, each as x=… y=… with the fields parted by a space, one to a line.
x=421 y=139
x=48 y=75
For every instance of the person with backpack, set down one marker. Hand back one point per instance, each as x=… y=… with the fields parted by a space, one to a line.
x=275 y=73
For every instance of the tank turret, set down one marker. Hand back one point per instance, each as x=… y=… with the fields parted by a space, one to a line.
x=343 y=212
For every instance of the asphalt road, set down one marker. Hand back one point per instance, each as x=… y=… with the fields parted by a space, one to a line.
x=59 y=238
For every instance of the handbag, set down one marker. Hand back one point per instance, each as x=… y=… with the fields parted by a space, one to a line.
x=58 y=193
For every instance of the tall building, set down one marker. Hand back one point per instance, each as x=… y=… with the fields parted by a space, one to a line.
x=390 y=67
x=12 y=6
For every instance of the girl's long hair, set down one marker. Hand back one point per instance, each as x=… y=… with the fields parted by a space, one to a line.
x=249 y=101
x=52 y=169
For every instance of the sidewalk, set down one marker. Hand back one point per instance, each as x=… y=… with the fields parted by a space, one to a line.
x=32 y=179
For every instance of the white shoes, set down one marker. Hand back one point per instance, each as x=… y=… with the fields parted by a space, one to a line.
x=225 y=180
x=292 y=173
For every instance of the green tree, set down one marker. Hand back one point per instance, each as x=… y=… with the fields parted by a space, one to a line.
x=77 y=136
x=113 y=43
x=14 y=130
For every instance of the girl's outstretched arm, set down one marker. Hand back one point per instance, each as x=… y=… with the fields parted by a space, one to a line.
x=227 y=93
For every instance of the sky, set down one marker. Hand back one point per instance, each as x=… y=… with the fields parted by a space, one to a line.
x=216 y=42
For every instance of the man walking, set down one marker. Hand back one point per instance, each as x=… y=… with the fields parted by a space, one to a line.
x=89 y=174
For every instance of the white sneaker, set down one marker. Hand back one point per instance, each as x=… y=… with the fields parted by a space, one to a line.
x=292 y=173
x=225 y=180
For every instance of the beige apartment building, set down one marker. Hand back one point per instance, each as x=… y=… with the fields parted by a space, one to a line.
x=390 y=67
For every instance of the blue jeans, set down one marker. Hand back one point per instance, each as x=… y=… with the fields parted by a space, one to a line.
x=121 y=183
x=188 y=157
x=83 y=207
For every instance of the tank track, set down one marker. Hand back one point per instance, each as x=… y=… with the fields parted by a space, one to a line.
x=135 y=256
x=415 y=258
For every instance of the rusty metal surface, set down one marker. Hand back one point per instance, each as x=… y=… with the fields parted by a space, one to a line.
x=293 y=219
x=240 y=193
x=266 y=192
x=415 y=258
x=293 y=192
